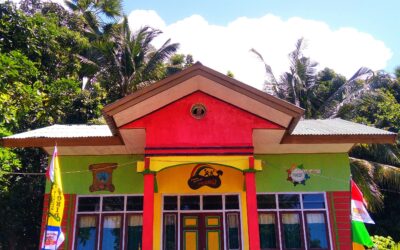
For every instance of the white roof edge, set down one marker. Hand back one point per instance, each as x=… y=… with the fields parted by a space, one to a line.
x=336 y=126
x=66 y=131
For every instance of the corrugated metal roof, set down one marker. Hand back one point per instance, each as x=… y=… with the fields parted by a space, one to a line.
x=66 y=131
x=335 y=127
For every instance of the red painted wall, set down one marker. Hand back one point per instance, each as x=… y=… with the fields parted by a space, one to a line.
x=223 y=124
x=339 y=213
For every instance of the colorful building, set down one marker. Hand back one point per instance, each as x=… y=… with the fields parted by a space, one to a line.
x=202 y=161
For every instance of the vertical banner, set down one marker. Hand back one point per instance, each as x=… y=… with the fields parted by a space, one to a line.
x=53 y=236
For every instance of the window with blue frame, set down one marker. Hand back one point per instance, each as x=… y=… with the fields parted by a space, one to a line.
x=293 y=221
x=109 y=222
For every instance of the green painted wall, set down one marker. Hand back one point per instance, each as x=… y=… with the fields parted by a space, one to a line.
x=335 y=172
x=77 y=178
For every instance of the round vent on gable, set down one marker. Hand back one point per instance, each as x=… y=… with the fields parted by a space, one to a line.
x=198 y=110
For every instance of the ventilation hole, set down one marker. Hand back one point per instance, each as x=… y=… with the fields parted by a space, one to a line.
x=198 y=111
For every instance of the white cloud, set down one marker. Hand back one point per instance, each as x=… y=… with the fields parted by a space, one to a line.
x=227 y=47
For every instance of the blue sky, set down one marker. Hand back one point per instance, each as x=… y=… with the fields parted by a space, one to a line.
x=374 y=24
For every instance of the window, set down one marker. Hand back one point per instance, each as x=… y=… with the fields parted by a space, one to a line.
x=212 y=202
x=233 y=230
x=293 y=221
x=109 y=222
x=268 y=228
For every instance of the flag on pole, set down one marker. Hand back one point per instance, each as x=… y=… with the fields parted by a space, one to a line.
x=53 y=236
x=359 y=216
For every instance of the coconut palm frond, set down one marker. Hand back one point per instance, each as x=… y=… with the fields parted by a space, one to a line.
x=71 y=5
x=268 y=71
x=362 y=172
x=360 y=73
x=160 y=55
x=372 y=178
x=294 y=84
x=346 y=92
x=384 y=153
x=111 y=8
x=297 y=52
x=388 y=176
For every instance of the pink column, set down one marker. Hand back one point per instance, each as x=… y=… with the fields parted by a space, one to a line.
x=148 y=208
x=252 y=214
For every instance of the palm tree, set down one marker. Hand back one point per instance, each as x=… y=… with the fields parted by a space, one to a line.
x=127 y=61
x=97 y=14
x=294 y=85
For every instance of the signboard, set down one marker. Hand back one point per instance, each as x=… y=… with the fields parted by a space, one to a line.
x=204 y=175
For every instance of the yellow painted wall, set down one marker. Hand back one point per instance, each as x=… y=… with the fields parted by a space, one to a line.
x=174 y=180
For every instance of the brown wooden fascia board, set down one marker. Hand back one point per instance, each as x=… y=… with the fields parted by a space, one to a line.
x=211 y=74
x=260 y=98
x=144 y=96
x=333 y=139
x=111 y=124
x=151 y=90
x=293 y=124
x=252 y=92
x=51 y=142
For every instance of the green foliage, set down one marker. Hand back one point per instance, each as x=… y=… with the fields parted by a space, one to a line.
x=124 y=62
x=327 y=82
x=379 y=109
x=178 y=62
x=21 y=199
x=387 y=220
x=39 y=85
x=42 y=41
x=385 y=243
x=20 y=91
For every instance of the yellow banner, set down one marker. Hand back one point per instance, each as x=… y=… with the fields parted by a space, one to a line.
x=56 y=206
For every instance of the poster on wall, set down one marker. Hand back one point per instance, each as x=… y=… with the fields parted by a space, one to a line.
x=297 y=174
x=204 y=175
x=102 y=177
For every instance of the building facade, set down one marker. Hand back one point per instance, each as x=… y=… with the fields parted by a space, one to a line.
x=202 y=161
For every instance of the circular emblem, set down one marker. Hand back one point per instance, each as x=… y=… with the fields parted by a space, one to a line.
x=198 y=111
x=298 y=175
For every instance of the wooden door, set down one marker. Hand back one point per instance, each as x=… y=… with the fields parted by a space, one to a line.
x=202 y=231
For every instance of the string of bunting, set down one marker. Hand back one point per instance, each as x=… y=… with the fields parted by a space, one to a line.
x=118 y=165
x=131 y=164
x=68 y=172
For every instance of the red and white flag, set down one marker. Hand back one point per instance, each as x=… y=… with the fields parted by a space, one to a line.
x=358 y=210
x=50 y=168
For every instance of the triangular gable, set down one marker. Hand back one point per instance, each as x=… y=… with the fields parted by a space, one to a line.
x=201 y=78
x=177 y=126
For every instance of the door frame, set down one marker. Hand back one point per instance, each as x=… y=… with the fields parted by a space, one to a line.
x=224 y=211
